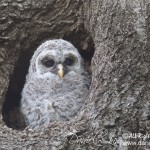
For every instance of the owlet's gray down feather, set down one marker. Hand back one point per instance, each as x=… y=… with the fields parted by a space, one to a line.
x=56 y=85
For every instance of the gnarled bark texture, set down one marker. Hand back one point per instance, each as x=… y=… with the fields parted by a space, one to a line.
x=119 y=99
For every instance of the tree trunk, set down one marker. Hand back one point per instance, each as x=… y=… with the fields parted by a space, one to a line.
x=116 y=115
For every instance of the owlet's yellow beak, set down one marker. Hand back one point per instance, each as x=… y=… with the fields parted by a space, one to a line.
x=60 y=71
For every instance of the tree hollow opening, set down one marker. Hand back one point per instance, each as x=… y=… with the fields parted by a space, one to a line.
x=12 y=116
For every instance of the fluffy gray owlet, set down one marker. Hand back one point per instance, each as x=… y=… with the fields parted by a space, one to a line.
x=56 y=85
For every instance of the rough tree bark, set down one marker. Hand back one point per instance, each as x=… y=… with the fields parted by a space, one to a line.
x=118 y=103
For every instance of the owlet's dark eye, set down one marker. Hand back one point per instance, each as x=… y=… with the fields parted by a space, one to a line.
x=69 y=61
x=49 y=63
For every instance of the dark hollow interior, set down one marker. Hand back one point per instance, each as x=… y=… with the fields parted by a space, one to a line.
x=11 y=113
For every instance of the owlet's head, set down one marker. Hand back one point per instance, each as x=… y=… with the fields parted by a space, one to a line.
x=56 y=57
